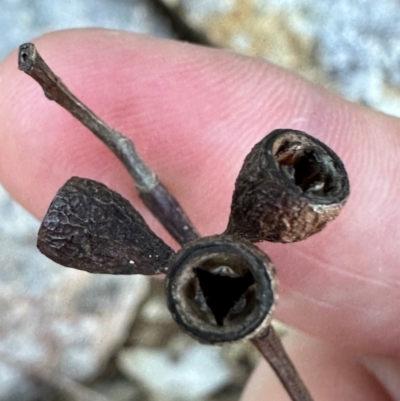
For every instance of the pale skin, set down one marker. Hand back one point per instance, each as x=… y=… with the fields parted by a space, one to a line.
x=194 y=114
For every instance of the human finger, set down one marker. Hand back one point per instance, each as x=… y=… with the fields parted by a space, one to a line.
x=194 y=114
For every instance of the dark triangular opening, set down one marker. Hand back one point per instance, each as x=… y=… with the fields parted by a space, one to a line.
x=222 y=292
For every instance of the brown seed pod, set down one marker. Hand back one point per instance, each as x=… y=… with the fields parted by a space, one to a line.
x=290 y=186
x=90 y=227
x=221 y=289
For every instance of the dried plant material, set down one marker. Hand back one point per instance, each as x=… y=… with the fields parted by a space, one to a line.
x=220 y=289
x=289 y=187
x=90 y=227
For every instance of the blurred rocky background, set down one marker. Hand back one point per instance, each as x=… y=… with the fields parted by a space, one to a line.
x=67 y=335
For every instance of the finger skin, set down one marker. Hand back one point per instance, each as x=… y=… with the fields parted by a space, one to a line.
x=194 y=114
x=330 y=373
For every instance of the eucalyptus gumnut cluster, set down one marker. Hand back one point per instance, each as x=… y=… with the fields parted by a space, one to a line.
x=220 y=288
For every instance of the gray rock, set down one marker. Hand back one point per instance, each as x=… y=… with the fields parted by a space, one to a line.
x=351 y=46
x=22 y=20
x=194 y=373
x=60 y=319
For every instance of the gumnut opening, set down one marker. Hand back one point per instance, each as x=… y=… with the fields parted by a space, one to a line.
x=221 y=289
x=289 y=187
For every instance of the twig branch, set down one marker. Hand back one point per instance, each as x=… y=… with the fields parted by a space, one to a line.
x=155 y=196
x=271 y=347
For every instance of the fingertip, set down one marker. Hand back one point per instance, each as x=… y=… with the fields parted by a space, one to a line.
x=194 y=114
x=186 y=107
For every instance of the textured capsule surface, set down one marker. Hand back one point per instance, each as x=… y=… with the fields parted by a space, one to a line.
x=289 y=187
x=90 y=227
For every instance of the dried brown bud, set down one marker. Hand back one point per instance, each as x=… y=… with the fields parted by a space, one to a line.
x=290 y=186
x=90 y=227
x=221 y=289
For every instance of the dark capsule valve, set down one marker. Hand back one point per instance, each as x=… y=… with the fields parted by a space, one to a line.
x=221 y=289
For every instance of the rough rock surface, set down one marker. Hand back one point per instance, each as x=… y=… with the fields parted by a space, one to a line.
x=53 y=318
x=351 y=47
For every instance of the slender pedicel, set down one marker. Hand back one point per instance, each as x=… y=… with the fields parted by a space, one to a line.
x=241 y=269
x=270 y=346
x=154 y=195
